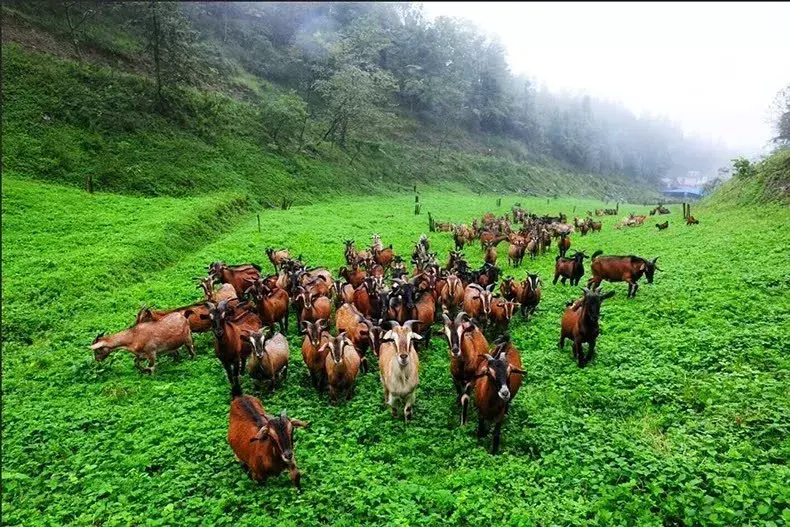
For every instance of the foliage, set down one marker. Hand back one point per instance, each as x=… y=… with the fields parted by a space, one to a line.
x=64 y=120
x=682 y=418
x=320 y=49
x=743 y=168
x=766 y=181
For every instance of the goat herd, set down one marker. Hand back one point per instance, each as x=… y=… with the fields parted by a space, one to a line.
x=389 y=321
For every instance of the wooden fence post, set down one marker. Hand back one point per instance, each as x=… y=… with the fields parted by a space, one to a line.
x=89 y=183
x=259 y=222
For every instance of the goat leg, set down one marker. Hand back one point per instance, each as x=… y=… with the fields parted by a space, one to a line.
x=497 y=436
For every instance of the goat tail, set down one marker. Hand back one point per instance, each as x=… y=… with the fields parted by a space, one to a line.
x=596 y=254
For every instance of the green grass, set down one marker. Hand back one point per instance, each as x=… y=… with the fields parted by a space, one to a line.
x=681 y=419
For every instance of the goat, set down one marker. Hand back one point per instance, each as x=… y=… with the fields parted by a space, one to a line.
x=477 y=302
x=239 y=276
x=490 y=253
x=277 y=257
x=313 y=307
x=399 y=367
x=502 y=311
x=225 y=292
x=342 y=366
x=510 y=289
x=662 y=226
x=229 y=346
x=261 y=442
x=192 y=312
x=691 y=220
x=354 y=276
x=530 y=295
x=424 y=312
x=271 y=303
x=498 y=380
x=466 y=343
x=580 y=323
x=269 y=358
x=147 y=339
x=564 y=244
x=595 y=226
x=313 y=350
x=358 y=329
x=621 y=269
x=569 y=268
x=452 y=294
x=383 y=256
x=515 y=253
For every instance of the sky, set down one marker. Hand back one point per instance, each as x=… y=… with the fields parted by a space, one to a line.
x=713 y=67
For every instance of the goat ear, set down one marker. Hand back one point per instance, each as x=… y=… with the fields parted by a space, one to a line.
x=606 y=295
x=517 y=371
x=297 y=423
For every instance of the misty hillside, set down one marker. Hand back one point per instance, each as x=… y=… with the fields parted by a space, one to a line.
x=289 y=100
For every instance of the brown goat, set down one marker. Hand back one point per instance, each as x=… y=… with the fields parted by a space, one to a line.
x=502 y=311
x=691 y=220
x=229 y=327
x=313 y=350
x=515 y=253
x=277 y=257
x=269 y=358
x=147 y=339
x=261 y=442
x=271 y=303
x=226 y=292
x=239 y=276
x=466 y=343
x=383 y=257
x=314 y=307
x=477 y=302
x=621 y=269
x=569 y=268
x=498 y=381
x=358 y=329
x=342 y=366
x=530 y=295
x=662 y=226
x=564 y=243
x=452 y=295
x=580 y=323
x=510 y=289
x=354 y=276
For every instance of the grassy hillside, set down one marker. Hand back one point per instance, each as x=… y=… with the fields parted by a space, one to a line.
x=64 y=120
x=767 y=181
x=680 y=420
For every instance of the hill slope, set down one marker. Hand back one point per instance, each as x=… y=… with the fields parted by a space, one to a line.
x=64 y=120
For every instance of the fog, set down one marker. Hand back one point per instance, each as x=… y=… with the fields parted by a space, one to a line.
x=714 y=68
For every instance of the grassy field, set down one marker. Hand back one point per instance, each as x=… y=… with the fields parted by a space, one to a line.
x=682 y=419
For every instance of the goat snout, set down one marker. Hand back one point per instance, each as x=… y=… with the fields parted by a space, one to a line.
x=403 y=360
x=504 y=393
x=288 y=456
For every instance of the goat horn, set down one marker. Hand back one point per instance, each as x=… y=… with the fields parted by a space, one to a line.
x=488 y=357
x=410 y=323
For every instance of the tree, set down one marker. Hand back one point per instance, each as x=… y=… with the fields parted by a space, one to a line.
x=171 y=42
x=354 y=100
x=283 y=117
x=781 y=109
x=77 y=14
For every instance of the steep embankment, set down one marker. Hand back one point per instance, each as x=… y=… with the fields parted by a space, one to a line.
x=64 y=120
x=765 y=182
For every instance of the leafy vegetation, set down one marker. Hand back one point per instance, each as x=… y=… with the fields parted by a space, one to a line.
x=765 y=181
x=63 y=121
x=682 y=419
x=367 y=73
